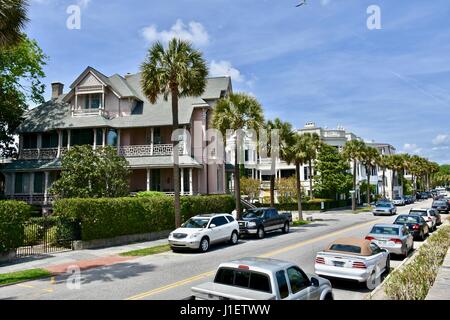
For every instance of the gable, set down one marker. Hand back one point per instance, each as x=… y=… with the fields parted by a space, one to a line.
x=89 y=81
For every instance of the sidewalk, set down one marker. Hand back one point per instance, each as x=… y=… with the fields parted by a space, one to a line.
x=441 y=287
x=84 y=259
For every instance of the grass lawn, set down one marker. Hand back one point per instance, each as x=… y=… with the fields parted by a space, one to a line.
x=300 y=223
x=19 y=276
x=146 y=251
x=367 y=209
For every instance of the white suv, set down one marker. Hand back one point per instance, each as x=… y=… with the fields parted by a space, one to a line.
x=201 y=231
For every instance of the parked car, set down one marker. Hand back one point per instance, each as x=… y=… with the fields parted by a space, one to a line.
x=409 y=199
x=384 y=208
x=263 y=279
x=258 y=221
x=441 y=206
x=425 y=195
x=395 y=238
x=398 y=201
x=416 y=224
x=353 y=259
x=430 y=219
x=201 y=231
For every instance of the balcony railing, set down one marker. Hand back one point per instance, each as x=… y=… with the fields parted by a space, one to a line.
x=42 y=153
x=37 y=199
x=87 y=112
x=149 y=150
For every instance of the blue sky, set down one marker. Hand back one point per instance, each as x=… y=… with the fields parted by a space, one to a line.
x=318 y=62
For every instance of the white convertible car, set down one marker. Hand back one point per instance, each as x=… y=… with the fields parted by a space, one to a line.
x=353 y=259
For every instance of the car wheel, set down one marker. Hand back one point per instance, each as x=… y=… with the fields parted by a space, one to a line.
x=388 y=265
x=422 y=236
x=204 y=244
x=285 y=229
x=260 y=233
x=371 y=282
x=234 y=239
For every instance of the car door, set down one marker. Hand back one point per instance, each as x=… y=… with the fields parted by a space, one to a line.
x=268 y=220
x=218 y=232
x=379 y=257
x=299 y=285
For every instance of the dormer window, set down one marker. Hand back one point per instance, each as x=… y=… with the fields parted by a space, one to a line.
x=93 y=101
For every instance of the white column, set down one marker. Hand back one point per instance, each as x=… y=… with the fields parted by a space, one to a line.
x=59 y=143
x=191 y=191
x=39 y=144
x=118 y=141
x=148 y=178
x=260 y=175
x=31 y=188
x=46 y=174
x=182 y=180
x=103 y=137
x=152 y=130
x=68 y=139
x=95 y=139
x=184 y=140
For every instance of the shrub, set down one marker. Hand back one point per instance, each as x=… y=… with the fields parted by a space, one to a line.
x=414 y=280
x=12 y=217
x=313 y=205
x=151 y=194
x=111 y=217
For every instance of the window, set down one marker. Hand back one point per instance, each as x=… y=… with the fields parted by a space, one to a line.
x=29 y=141
x=99 y=137
x=392 y=231
x=112 y=137
x=50 y=140
x=230 y=218
x=244 y=279
x=375 y=249
x=282 y=284
x=225 y=276
x=39 y=182
x=259 y=282
x=22 y=182
x=81 y=137
x=246 y=156
x=219 y=221
x=157 y=136
x=297 y=279
x=93 y=101
x=155 y=180
x=345 y=248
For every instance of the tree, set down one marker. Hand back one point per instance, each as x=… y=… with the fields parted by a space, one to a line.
x=332 y=178
x=178 y=71
x=369 y=160
x=89 y=173
x=237 y=112
x=250 y=187
x=287 y=190
x=312 y=145
x=296 y=153
x=20 y=81
x=285 y=139
x=13 y=16
x=353 y=151
x=383 y=163
x=395 y=162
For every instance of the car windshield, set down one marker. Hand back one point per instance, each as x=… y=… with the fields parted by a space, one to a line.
x=421 y=213
x=397 y=198
x=345 y=248
x=254 y=213
x=383 y=205
x=439 y=203
x=196 y=223
x=407 y=219
x=392 y=231
x=244 y=279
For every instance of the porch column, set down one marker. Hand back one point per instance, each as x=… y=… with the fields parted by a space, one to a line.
x=103 y=137
x=151 y=140
x=118 y=141
x=182 y=180
x=148 y=178
x=184 y=140
x=39 y=144
x=46 y=174
x=95 y=139
x=31 y=186
x=191 y=191
x=59 y=143
x=68 y=139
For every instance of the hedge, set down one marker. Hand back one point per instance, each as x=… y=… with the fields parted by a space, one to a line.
x=311 y=205
x=13 y=214
x=110 y=217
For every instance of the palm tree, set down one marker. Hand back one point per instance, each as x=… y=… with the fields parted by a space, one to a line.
x=286 y=136
x=13 y=16
x=313 y=144
x=179 y=71
x=296 y=153
x=237 y=112
x=382 y=162
x=396 y=162
x=370 y=157
x=353 y=151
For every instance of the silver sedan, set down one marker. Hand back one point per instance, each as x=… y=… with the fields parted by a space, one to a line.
x=384 y=208
x=394 y=238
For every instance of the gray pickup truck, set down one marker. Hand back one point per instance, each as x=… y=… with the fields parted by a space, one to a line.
x=263 y=279
x=258 y=221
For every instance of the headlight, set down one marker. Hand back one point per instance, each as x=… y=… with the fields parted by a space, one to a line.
x=171 y=235
x=194 y=235
x=251 y=224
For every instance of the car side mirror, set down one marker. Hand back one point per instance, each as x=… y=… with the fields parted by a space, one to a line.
x=314 y=282
x=212 y=226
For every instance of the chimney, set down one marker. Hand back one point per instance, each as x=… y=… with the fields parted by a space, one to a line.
x=57 y=89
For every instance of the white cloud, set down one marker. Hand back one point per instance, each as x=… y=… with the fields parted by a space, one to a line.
x=411 y=148
x=83 y=3
x=441 y=139
x=193 y=32
x=325 y=2
x=224 y=68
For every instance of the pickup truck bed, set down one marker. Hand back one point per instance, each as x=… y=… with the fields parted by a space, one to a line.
x=217 y=291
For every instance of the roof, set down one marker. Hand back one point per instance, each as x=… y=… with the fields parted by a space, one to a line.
x=362 y=243
x=55 y=114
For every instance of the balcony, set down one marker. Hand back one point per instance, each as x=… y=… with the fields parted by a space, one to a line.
x=149 y=150
x=39 y=154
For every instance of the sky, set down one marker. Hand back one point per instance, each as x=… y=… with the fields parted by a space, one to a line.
x=322 y=62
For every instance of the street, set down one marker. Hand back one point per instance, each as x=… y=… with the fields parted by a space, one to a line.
x=171 y=275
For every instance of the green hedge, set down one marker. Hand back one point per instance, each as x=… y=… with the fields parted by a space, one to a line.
x=311 y=205
x=13 y=214
x=111 y=217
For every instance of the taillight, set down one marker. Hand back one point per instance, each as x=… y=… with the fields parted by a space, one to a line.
x=359 y=265
x=369 y=238
x=320 y=260
x=243 y=267
x=416 y=226
x=396 y=241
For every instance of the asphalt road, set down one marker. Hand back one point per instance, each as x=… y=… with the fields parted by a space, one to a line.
x=171 y=275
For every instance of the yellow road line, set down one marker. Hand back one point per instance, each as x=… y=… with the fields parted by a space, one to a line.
x=25 y=286
x=266 y=255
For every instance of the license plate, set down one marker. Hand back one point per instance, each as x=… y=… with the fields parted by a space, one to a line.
x=338 y=263
x=381 y=241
